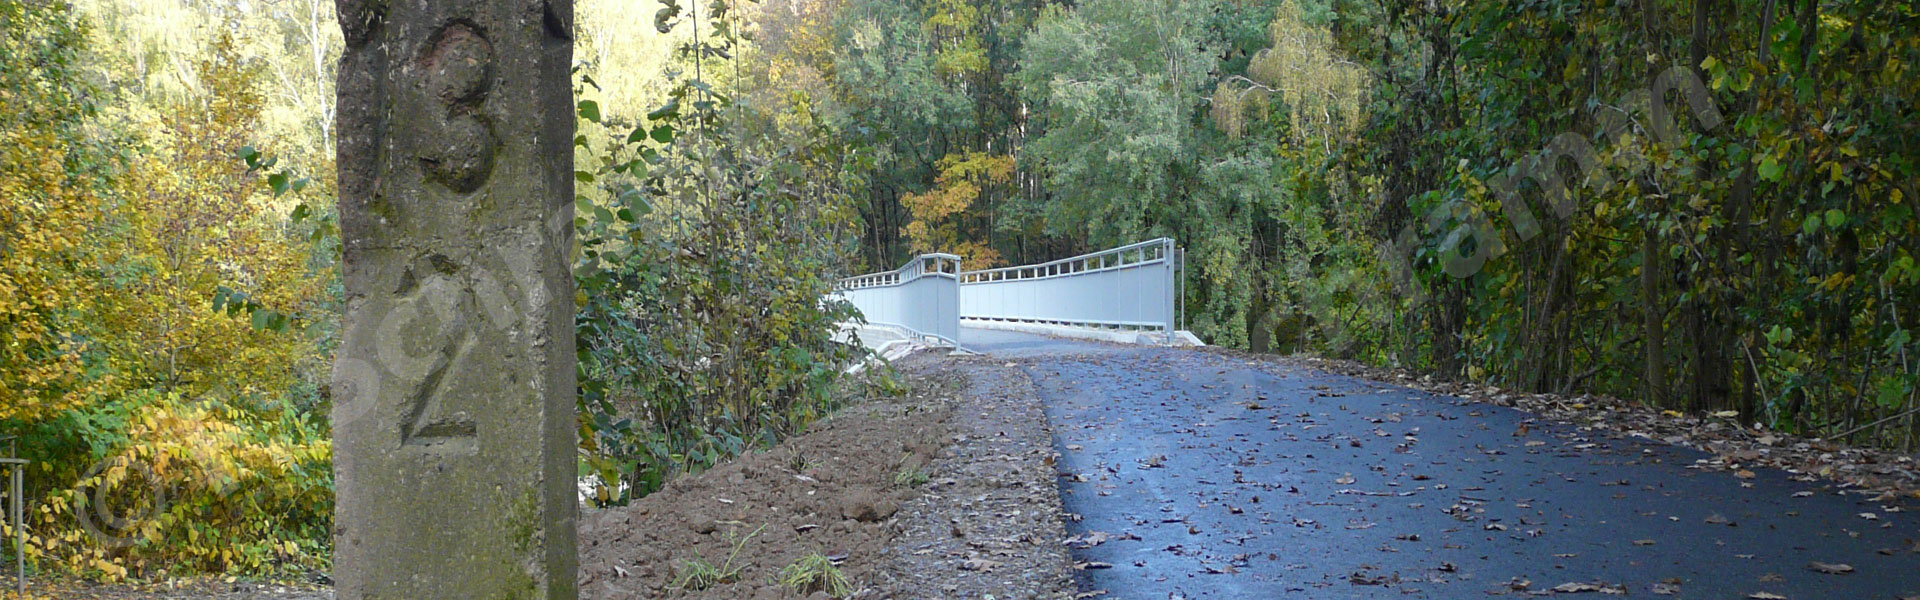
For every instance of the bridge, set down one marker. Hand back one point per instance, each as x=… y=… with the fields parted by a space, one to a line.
x=1203 y=473
x=1126 y=294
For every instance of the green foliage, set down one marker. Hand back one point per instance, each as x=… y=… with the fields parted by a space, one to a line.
x=1115 y=95
x=1712 y=245
x=707 y=246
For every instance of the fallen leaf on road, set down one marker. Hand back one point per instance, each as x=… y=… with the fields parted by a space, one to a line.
x=1665 y=589
x=1345 y=479
x=1582 y=588
x=1643 y=542
x=1743 y=474
x=1765 y=596
x=1830 y=568
x=1087 y=541
x=980 y=565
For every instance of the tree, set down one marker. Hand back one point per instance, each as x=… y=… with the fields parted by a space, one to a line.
x=1115 y=93
x=940 y=219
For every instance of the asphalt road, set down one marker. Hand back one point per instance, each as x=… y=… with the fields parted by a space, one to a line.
x=1209 y=477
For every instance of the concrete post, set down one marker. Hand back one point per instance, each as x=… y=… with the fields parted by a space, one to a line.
x=454 y=426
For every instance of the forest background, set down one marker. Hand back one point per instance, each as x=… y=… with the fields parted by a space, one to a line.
x=1351 y=178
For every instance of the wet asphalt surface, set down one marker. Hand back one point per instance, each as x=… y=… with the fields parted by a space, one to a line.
x=1214 y=478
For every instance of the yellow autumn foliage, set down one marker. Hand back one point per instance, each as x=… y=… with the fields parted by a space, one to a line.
x=167 y=436
x=47 y=216
x=940 y=215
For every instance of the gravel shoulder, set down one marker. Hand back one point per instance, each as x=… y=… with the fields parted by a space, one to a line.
x=989 y=523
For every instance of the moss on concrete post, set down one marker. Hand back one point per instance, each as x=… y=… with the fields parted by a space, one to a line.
x=454 y=430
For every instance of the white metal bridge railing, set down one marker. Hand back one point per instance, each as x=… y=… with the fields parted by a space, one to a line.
x=922 y=297
x=1130 y=287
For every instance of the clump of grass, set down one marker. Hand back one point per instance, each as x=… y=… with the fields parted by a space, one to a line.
x=910 y=475
x=700 y=573
x=798 y=462
x=815 y=573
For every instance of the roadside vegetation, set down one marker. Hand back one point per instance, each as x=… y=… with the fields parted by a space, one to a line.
x=170 y=297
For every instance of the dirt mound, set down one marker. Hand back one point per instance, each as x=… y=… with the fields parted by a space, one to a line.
x=834 y=492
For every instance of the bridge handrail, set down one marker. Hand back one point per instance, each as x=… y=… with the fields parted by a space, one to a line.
x=944 y=265
x=1164 y=247
x=1132 y=287
x=921 y=297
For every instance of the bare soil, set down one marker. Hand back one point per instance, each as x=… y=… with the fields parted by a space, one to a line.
x=983 y=520
x=831 y=491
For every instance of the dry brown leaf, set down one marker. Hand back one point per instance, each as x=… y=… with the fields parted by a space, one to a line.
x=979 y=565
x=1582 y=588
x=1830 y=568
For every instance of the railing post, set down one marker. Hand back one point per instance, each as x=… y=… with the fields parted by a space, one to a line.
x=1166 y=265
x=16 y=468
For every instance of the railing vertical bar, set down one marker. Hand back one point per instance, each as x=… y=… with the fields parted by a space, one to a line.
x=17 y=499
x=19 y=529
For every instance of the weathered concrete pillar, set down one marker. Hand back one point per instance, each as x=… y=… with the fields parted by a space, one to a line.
x=454 y=431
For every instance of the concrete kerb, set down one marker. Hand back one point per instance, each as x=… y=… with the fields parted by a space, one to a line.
x=1183 y=339
x=889 y=343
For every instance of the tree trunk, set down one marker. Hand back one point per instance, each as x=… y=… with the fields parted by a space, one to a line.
x=1653 y=317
